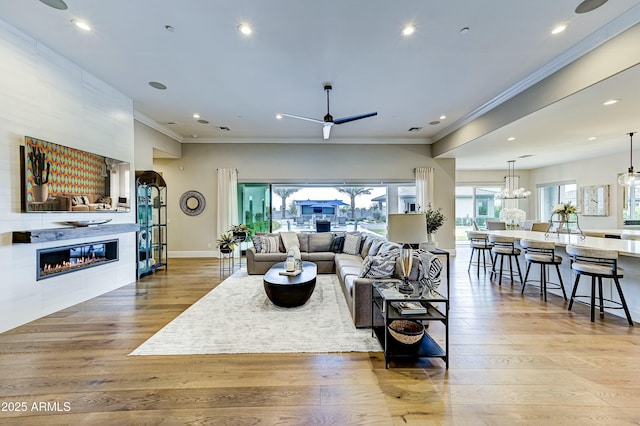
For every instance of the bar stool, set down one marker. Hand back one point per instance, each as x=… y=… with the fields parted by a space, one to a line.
x=597 y=264
x=504 y=246
x=542 y=253
x=479 y=242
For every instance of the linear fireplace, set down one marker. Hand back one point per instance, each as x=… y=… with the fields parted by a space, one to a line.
x=62 y=260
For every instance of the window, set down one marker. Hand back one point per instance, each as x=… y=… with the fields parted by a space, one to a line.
x=632 y=204
x=551 y=195
x=477 y=203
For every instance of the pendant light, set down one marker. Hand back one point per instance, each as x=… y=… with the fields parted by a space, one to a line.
x=510 y=192
x=630 y=178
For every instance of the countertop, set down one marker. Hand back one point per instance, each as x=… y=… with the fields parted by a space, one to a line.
x=623 y=247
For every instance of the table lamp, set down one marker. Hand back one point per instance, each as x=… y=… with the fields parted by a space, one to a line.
x=407 y=229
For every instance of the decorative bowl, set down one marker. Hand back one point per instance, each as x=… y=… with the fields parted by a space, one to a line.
x=407 y=332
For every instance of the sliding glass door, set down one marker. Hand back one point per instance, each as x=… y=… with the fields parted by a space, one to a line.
x=477 y=204
x=254 y=206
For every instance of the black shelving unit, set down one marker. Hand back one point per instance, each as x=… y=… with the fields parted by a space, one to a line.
x=383 y=313
x=151 y=208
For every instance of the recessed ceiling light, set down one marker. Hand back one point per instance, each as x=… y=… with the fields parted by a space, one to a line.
x=443 y=117
x=560 y=28
x=157 y=85
x=224 y=128
x=611 y=102
x=194 y=136
x=196 y=116
x=464 y=30
x=81 y=24
x=511 y=139
x=408 y=30
x=526 y=156
x=56 y=4
x=592 y=138
x=201 y=121
x=169 y=28
x=415 y=129
x=433 y=123
x=245 y=29
x=279 y=116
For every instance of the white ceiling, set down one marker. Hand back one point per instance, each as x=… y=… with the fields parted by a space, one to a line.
x=242 y=82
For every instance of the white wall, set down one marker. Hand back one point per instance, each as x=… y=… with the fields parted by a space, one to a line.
x=281 y=163
x=47 y=97
x=594 y=171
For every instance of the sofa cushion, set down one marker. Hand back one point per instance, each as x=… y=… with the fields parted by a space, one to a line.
x=272 y=257
x=379 y=266
x=320 y=256
x=352 y=244
x=303 y=239
x=320 y=241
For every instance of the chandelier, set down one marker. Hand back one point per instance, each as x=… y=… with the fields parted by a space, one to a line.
x=630 y=178
x=510 y=192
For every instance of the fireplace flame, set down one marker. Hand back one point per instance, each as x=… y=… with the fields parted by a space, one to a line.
x=79 y=262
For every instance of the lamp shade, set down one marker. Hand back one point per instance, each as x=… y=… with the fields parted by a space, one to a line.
x=407 y=228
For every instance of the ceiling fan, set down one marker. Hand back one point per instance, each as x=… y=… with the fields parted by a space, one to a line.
x=328 y=121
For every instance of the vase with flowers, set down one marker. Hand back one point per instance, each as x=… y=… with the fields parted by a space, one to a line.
x=563 y=210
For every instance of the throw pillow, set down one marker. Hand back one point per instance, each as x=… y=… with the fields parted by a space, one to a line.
x=85 y=200
x=379 y=266
x=351 y=244
x=375 y=247
x=270 y=244
x=77 y=199
x=257 y=243
x=337 y=244
x=289 y=239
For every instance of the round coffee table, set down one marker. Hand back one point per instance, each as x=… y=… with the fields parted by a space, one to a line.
x=290 y=291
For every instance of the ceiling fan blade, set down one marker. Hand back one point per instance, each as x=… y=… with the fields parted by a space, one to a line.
x=353 y=118
x=326 y=130
x=303 y=118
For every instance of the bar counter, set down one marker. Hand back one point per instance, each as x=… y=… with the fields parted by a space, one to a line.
x=629 y=259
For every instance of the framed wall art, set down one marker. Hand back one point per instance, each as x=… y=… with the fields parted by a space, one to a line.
x=594 y=200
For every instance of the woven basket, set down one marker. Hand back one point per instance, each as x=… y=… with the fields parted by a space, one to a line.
x=406 y=331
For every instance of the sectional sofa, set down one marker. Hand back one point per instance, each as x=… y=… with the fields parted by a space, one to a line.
x=356 y=258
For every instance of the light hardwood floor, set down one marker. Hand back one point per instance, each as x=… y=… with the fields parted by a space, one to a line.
x=514 y=360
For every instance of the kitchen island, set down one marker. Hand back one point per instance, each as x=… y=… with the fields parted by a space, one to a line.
x=629 y=260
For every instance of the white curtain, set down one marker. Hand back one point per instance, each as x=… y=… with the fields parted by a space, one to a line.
x=227 y=200
x=424 y=187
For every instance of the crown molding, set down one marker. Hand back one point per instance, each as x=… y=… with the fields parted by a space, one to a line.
x=138 y=116
x=298 y=141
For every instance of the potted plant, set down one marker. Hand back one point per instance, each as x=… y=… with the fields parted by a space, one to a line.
x=40 y=166
x=435 y=219
x=240 y=232
x=226 y=243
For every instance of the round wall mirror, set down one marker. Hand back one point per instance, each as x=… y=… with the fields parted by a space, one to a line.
x=192 y=203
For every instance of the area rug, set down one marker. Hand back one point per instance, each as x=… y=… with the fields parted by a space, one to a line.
x=237 y=317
